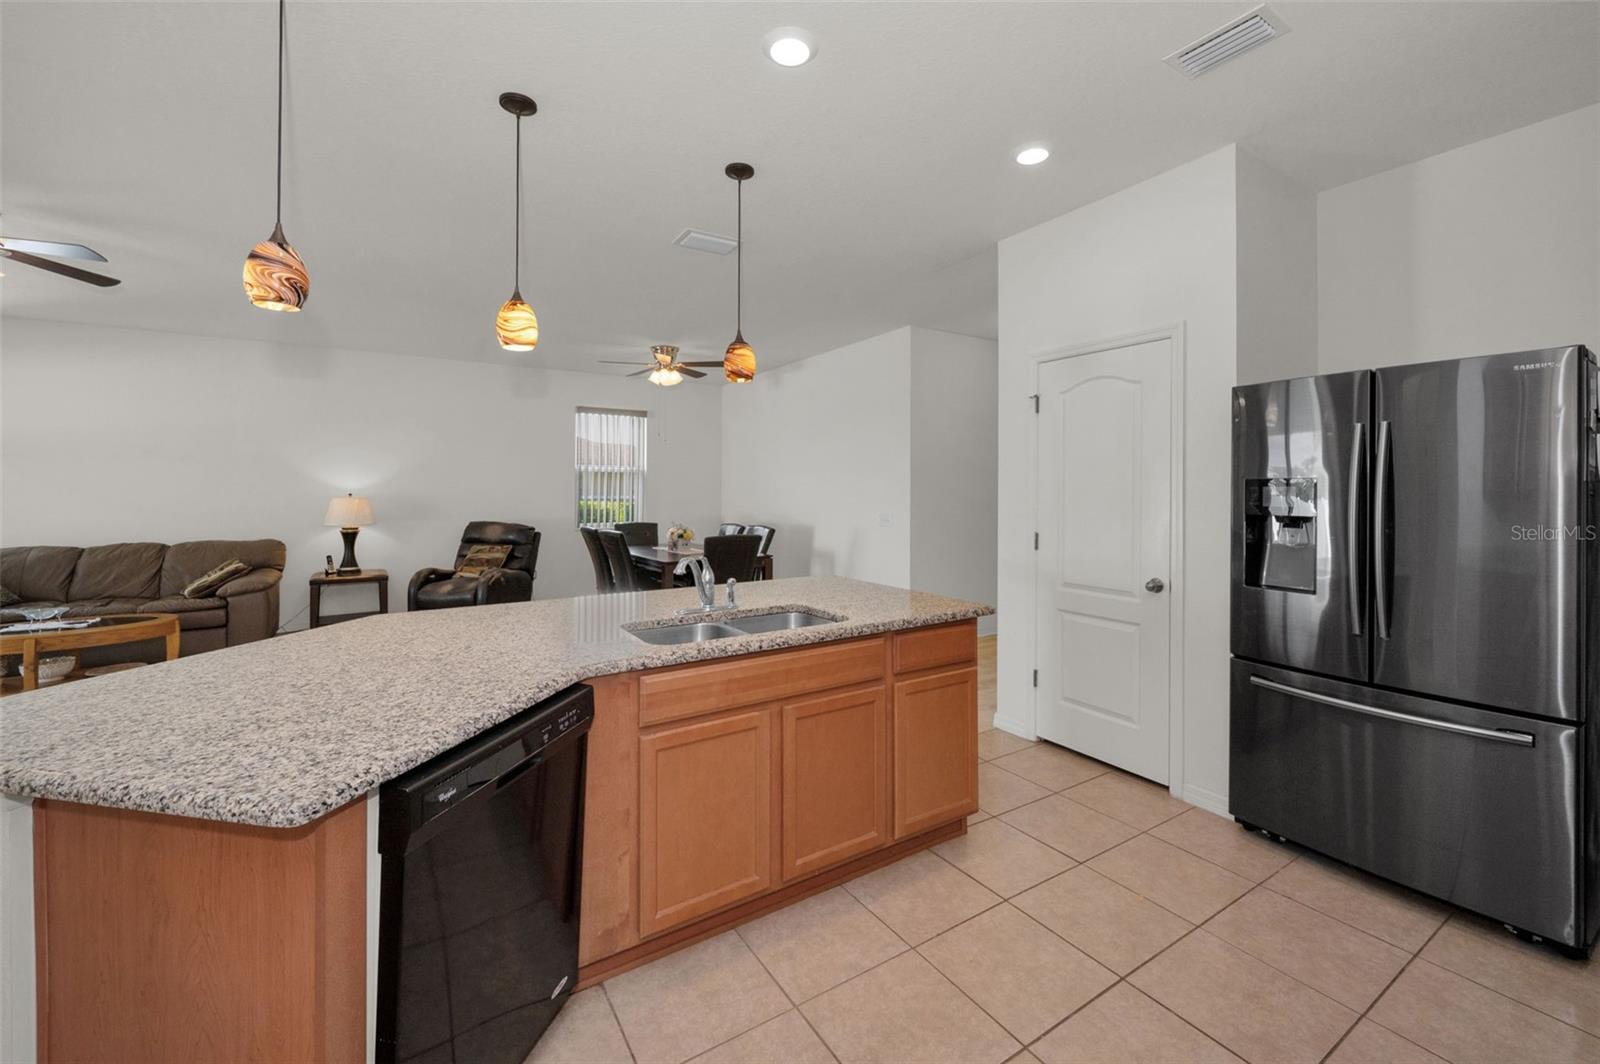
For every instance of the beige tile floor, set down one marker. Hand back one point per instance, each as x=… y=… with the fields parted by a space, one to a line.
x=1087 y=916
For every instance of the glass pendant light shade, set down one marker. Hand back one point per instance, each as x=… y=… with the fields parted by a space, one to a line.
x=516 y=325
x=274 y=276
x=665 y=376
x=739 y=364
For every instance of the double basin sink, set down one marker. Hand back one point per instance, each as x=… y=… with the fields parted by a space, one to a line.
x=698 y=631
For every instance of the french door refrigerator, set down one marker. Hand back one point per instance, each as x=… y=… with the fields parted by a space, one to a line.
x=1415 y=620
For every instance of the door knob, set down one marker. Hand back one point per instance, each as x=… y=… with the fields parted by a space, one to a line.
x=1154 y=585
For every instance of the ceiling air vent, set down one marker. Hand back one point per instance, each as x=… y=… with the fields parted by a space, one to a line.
x=695 y=240
x=1242 y=34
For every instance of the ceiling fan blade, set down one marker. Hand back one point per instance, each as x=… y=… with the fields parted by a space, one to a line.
x=57 y=267
x=641 y=373
x=687 y=372
x=50 y=247
x=612 y=362
x=708 y=365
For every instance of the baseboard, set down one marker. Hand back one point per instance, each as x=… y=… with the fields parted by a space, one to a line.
x=1208 y=800
x=1014 y=727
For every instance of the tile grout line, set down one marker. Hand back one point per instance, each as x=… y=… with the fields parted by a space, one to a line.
x=1380 y=995
x=794 y=1006
x=623 y=1031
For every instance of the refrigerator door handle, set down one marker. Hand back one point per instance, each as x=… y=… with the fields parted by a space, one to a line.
x=1353 y=531
x=1380 y=535
x=1514 y=737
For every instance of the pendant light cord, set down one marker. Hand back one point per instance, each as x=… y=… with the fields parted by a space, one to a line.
x=516 y=270
x=738 y=270
x=282 y=23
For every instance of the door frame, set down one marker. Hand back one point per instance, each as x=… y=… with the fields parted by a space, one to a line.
x=1176 y=575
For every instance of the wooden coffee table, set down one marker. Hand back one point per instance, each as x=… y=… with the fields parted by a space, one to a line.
x=112 y=629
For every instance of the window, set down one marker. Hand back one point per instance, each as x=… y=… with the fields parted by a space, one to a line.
x=609 y=459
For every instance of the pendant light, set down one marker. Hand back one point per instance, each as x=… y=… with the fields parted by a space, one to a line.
x=739 y=364
x=516 y=325
x=274 y=276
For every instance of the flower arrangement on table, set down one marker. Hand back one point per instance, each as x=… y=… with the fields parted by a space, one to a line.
x=679 y=537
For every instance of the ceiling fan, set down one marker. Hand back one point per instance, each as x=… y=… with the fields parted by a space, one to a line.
x=28 y=252
x=664 y=369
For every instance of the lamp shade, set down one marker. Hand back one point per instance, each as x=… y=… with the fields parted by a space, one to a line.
x=274 y=276
x=516 y=326
x=348 y=511
x=739 y=364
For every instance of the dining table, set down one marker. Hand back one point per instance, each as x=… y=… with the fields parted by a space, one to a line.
x=662 y=561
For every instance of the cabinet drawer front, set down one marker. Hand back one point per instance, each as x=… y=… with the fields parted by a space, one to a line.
x=705 y=817
x=672 y=694
x=835 y=778
x=928 y=648
x=935 y=750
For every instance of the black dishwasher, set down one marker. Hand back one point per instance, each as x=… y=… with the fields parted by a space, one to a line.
x=482 y=851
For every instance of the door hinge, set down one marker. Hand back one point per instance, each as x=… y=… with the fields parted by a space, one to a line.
x=1036 y=677
x=1035 y=398
x=1036 y=541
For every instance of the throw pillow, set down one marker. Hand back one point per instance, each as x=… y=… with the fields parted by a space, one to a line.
x=201 y=586
x=8 y=597
x=481 y=557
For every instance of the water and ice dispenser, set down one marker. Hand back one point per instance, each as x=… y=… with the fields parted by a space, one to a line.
x=1280 y=540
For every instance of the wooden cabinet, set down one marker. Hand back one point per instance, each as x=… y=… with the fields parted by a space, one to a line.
x=706 y=824
x=835 y=778
x=935 y=750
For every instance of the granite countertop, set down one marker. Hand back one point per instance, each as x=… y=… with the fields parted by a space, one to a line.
x=281 y=731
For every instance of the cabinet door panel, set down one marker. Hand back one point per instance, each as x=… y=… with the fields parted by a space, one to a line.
x=835 y=778
x=935 y=750
x=705 y=826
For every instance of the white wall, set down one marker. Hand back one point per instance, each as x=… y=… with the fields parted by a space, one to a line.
x=954 y=450
x=1160 y=253
x=821 y=450
x=109 y=435
x=1277 y=271
x=1491 y=247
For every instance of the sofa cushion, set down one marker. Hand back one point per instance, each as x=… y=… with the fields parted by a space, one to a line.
x=38 y=574
x=456 y=591
x=215 y=618
x=186 y=561
x=103 y=606
x=181 y=604
x=117 y=570
x=203 y=585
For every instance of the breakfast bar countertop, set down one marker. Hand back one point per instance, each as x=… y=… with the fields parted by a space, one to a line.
x=278 y=732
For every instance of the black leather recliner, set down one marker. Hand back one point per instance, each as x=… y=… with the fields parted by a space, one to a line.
x=433 y=589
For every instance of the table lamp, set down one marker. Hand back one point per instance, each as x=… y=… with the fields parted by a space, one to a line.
x=348 y=513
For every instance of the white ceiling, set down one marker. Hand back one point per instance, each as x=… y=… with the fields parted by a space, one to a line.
x=884 y=166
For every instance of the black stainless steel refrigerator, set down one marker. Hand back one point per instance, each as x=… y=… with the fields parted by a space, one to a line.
x=1415 y=620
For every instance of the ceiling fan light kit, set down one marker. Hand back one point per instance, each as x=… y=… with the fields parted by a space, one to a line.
x=516 y=326
x=275 y=276
x=739 y=363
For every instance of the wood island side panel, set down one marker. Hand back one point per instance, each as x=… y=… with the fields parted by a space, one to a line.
x=163 y=938
x=609 y=921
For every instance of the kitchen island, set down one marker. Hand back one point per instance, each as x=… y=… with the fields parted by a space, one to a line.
x=201 y=837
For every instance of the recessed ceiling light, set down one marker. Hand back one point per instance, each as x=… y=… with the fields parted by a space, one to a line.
x=789 y=47
x=1033 y=155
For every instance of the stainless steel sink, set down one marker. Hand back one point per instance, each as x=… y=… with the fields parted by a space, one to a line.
x=777 y=622
x=674 y=634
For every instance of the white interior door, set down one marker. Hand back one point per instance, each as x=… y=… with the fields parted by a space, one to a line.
x=1104 y=490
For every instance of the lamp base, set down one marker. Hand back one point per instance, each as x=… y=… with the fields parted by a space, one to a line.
x=348 y=563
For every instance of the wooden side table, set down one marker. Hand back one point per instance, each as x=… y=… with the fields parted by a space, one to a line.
x=364 y=576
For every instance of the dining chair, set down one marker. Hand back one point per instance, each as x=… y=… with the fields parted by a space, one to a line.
x=726 y=529
x=597 y=558
x=623 y=577
x=766 y=532
x=733 y=557
x=640 y=533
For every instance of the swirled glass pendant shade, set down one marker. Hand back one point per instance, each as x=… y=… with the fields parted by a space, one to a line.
x=274 y=276
x=739 y=364
x=516 y=325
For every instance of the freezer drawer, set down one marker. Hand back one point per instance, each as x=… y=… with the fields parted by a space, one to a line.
x=1475 y=807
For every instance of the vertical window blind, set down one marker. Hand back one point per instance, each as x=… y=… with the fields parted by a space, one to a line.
x=610 y=459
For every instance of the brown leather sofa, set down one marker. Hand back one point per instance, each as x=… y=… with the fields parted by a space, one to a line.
x=150 y=578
